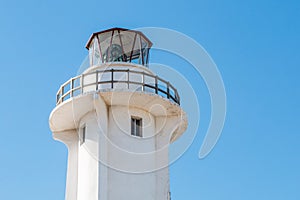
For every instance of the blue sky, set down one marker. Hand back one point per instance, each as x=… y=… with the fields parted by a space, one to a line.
x=254 y=44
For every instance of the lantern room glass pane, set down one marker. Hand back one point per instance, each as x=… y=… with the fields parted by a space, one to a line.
x=91 y=48
x=97 y=57
x=114 y=52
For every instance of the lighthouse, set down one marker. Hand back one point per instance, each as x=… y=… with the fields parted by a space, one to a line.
x=117 y=120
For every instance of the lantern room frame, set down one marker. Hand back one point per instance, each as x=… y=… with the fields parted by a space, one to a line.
x=119 y=45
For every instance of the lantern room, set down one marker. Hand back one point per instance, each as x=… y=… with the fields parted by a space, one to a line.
x=118 y=45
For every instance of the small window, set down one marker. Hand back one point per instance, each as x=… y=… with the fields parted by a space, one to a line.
x=136 y=126
x=82 y=135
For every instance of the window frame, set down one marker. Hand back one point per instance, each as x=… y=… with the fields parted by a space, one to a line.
x=136 y=126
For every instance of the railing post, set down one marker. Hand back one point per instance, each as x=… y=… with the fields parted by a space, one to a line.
x=128 y=79
x=112 y=78
x=62 y=93
x=97 y=76
x=71 y=87
x=57 y=97
x=177 y=97
x=143 y=79
x=156 y=88
x=168 y=90
x=81 y=84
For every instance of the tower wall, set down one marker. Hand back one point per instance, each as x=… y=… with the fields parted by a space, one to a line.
x=119 y=155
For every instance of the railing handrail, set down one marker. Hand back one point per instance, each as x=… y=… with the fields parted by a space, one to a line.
x=169 y=90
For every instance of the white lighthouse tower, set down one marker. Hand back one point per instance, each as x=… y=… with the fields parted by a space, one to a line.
x=117 y=120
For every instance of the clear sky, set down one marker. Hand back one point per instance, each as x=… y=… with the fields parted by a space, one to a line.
x=255 y=45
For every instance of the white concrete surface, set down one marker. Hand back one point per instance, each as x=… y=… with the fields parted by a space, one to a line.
x=111 y=164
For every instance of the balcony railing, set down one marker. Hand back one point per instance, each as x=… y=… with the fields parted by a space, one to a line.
x=124 y=79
